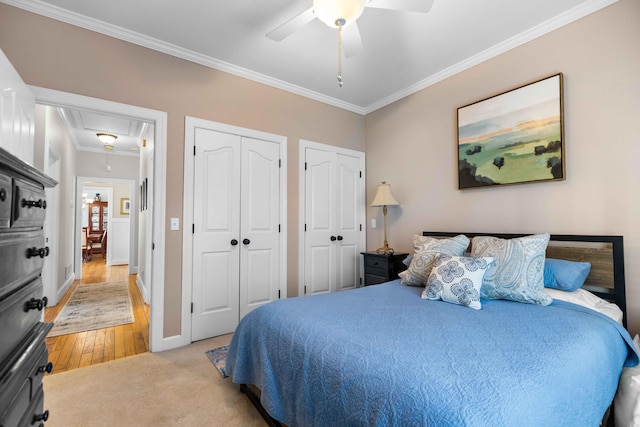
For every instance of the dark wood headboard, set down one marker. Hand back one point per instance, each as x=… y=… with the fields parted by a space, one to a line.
x=605 y=253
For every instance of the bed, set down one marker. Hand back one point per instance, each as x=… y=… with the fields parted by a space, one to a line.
x=384 y=356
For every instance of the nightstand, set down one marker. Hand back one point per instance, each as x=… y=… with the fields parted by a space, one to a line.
x=380 y=268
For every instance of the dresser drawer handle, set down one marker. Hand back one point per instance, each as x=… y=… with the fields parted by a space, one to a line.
x=42 y=252
x=42 y=369
x=35 y=304
x=42 y=417
x=33 y=204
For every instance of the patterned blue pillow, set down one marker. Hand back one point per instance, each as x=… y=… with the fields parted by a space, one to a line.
x=422 y=261
x=517 y=272
x=457 y=280
x=565 y=275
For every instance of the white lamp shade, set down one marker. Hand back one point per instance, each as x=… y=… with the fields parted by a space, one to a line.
x=384 y=197
x=328 y=11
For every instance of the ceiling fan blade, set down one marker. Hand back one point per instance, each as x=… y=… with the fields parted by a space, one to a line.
x=292 y=25
x=422 y=6
x=351 y=41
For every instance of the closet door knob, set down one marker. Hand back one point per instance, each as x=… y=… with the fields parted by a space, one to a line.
x=340 y=237
x=333 y=238
x=234 y=242
x=246 y=241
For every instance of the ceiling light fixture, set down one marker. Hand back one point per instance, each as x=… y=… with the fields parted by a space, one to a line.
x=338 y=14
x=106 y=138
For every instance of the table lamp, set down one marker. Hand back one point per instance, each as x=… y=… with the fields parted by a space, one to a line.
x=384 y=198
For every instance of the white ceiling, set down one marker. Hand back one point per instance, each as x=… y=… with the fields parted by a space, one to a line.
x=403 y=51
x=85 y=125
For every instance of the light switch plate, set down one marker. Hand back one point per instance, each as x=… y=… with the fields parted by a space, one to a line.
x=373 y=223
x=175 y=224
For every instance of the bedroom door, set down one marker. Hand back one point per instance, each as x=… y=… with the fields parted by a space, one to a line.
x=333 y=218
x=235 y=229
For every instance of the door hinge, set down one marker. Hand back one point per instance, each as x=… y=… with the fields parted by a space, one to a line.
x=279 y=163
x=360 y=174
x=278 y=293
x=194 y=150
x=279 y=229
x=305 y=227
x=305 y=289
x=193 y=229
x=153 y=246
x=305 y=165
x=191 y=308
x=360 y=227
x=360 y=281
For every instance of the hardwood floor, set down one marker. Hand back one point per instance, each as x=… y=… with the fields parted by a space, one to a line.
x=74 y=351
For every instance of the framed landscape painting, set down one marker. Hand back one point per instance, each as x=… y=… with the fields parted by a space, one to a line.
x=514 y=137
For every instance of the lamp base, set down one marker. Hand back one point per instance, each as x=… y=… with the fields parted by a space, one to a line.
x=386 y=250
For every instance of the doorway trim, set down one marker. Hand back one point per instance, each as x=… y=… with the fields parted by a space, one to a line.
x=133 y=230
x=157 y=341
x=191 y=123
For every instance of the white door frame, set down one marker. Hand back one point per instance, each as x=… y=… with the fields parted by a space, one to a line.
x=80 y=186
x=157 y=341
x=304 y=144
x=52 y=229
x=191 y=123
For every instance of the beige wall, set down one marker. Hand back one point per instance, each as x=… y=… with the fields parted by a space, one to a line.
x=59 y=56
x=412 y=145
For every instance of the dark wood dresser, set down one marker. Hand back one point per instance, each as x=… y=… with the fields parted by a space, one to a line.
x=380 y=268
x=23 y=353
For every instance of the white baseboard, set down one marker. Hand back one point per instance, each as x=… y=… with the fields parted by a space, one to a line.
x=66 y=285
x=169 y=343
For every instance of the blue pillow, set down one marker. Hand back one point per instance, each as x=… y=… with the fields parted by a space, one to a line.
x=565 y=275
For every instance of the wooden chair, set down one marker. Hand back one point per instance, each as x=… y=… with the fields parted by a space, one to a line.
x=101 y=246
x=86 y=246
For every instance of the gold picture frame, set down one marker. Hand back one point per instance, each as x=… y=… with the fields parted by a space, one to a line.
x=125 y=206
x=514 y=137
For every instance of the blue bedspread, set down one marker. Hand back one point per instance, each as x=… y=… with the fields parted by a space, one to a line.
x=382 y=356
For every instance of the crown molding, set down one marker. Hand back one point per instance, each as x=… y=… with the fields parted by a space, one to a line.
x=539 y=30
x=57 y=13
x=82 y=21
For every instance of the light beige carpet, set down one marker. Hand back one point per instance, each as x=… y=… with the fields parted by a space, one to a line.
x=173 y=388
x=94 y=306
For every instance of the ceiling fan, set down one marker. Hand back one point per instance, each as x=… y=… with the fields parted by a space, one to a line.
x=342 y=15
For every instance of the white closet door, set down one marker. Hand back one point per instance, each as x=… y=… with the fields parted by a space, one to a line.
x=320 y=250
x=347 y=205
x=216 y=259
x=260 y=214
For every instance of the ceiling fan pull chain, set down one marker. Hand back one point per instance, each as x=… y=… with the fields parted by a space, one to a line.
x=340 y=22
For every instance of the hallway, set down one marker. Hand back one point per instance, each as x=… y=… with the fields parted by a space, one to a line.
x=74 y=351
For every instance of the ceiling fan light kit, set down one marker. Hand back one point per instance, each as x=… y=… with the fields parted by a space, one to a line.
x=338 y=13
x=344 y=13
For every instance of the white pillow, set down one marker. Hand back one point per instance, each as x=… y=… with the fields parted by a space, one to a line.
x=587 y=299
x=457 y=280
x=627 y=400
